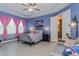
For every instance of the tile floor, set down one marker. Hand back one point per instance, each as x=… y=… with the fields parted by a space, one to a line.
x=21 y=49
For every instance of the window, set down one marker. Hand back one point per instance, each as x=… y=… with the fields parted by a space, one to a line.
x=1 y=28
x=20 y=27
x=11 y=28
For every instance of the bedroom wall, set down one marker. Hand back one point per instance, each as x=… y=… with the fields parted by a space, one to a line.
x=10 y=36
x=74 y=11
x=46 y=18
x=46 y=22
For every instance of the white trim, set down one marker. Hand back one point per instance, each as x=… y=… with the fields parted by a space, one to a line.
x=8 y=41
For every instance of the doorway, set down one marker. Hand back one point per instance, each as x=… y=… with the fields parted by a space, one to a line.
x=59 y=24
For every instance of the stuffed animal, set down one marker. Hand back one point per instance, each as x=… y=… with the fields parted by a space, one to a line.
x=67 y=52
x=73 y=51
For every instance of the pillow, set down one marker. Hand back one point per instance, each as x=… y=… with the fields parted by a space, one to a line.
x=34 y=32
x=39 y=31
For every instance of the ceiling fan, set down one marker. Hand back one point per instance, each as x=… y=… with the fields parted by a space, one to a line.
x=31 y=7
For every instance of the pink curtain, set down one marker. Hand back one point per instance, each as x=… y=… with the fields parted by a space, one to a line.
x=17 y=22
x=5 y=20
x=23 y=22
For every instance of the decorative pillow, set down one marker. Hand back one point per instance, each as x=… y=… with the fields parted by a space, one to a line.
x=39 y=31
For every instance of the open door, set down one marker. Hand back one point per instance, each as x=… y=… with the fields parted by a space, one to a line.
x=54 y=29
x=66 y=16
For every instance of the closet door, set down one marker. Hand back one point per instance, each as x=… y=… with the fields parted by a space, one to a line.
x=53 y=29
x=66 y=17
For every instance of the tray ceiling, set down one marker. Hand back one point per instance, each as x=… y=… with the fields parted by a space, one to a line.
x=45 y=8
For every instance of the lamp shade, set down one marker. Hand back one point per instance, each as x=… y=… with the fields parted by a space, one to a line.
x=73 y=24
x=31 y=28
x=46 y=28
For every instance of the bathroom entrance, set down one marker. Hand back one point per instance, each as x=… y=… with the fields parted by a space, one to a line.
x=59 y=24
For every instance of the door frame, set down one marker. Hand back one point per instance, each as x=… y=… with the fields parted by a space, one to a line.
x=62 y=14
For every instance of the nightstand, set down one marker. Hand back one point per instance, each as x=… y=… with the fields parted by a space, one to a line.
x=46 y=37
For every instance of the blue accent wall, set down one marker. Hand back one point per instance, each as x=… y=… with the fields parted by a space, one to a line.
x=46 y=21
x=45 y=18
x=74 y=11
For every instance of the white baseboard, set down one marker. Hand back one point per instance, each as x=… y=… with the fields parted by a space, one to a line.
x=9 y=41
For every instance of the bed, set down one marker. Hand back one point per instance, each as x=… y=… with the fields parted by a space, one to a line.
x=32 y=37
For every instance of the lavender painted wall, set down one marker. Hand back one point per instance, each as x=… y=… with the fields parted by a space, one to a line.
x=75 y=11
x=46 y=21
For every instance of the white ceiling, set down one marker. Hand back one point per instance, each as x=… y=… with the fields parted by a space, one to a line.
x=45 y=8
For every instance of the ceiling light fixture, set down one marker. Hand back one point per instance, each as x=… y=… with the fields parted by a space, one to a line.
x=31 y=7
